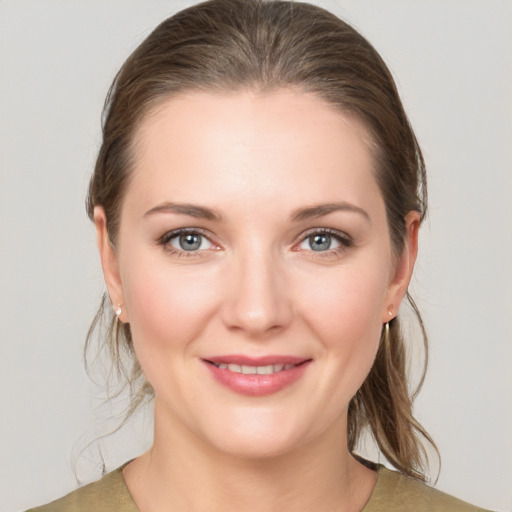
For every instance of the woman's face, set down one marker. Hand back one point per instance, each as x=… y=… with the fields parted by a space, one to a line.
x=254 y=266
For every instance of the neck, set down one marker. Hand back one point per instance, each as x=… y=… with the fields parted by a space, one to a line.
x=181 y=472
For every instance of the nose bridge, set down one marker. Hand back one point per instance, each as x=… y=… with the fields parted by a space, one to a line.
x=258 y=301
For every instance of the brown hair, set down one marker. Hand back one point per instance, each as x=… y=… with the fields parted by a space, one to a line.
x=228 y=45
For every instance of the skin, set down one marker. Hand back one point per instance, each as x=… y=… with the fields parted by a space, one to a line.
x=255 y=287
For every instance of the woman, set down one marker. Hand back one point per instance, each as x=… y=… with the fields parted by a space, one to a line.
x=257 y=199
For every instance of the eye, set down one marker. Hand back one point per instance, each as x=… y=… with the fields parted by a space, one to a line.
x=325 y=241
x=189 y=242
x=320 y=242
x=186 y=241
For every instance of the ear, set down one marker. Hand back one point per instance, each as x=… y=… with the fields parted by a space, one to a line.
x=109 y=262
x=402 y=272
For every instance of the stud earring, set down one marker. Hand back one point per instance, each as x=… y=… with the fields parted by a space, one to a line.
x=118 y=311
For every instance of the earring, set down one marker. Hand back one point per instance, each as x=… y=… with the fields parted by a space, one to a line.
x=118 y=311
x=386 y=326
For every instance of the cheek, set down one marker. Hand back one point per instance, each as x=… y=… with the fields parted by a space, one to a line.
x=166 y=307
x=346 y=317
x=348 y=302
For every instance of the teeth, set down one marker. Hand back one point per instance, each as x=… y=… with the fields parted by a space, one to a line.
x=252 y=370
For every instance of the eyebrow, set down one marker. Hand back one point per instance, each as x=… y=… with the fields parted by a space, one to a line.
x=320 y=210
x=192 y=210
x=301 y=214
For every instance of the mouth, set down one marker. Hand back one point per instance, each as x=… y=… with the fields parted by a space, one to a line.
x=257 y=376
x=268 y=369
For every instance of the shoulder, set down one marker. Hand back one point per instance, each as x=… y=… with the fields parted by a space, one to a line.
x=109 y=494
x=398 y=493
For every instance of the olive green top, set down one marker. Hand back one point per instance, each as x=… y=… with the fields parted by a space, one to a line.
x=392 y=493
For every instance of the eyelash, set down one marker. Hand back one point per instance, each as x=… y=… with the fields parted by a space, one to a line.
x=344 y=240
x=166 y=238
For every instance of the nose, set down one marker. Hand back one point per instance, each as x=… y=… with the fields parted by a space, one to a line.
x=257 y=301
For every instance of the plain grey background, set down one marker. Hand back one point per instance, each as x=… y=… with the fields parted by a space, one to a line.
x=452 y=61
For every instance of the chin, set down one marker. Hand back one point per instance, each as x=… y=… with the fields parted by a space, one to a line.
x=253 y=434
x=255 y=447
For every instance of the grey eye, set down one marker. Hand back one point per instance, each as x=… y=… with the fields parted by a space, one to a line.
x=320 y=242
x=187 y=241
x=190 y=242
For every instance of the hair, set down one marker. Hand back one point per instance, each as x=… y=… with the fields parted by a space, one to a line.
x=233 y=45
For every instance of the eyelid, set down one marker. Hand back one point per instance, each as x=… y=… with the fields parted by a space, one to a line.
x=165 y=239
x=345 y=240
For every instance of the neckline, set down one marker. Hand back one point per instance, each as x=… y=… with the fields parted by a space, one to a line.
x=379 y=483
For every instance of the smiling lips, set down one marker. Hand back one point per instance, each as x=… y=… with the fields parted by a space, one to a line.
x=257 y=376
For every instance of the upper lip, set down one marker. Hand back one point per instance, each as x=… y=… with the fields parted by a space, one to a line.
x=256 y=361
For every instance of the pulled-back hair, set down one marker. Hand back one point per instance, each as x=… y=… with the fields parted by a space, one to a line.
x=232 y=45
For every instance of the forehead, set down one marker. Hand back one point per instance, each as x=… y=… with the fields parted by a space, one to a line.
x=284 y=145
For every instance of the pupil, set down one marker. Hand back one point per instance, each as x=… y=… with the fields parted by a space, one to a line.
x=190 y=242
x=320 y=242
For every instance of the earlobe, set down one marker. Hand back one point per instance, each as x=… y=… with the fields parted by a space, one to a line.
x=404 y=267
x=109 y=262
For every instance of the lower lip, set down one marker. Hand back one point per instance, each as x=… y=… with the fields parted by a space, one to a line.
x=257 y=385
